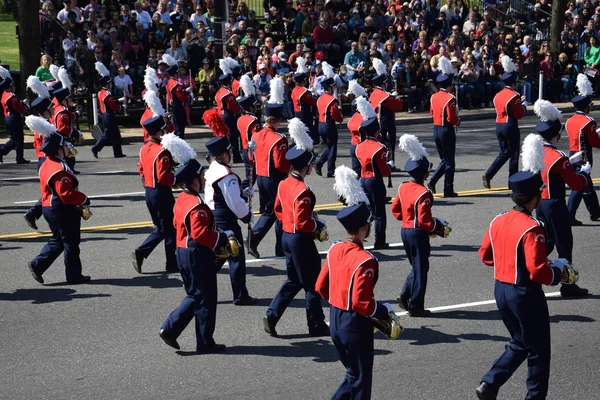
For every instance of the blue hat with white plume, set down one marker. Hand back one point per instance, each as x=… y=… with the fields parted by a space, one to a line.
x=584 y=87
x=417 y=164
x=357 y=213
x=528 y=181
x=301 y=154
x=550 y=123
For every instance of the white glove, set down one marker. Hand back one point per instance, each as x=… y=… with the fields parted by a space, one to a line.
x=228 y=233
x=586 y=169
x=523 y=99
x=560 y=263
x=122 y=99
x=248 y=192
x=389 y=307
x=575 y=158
x=598 y=130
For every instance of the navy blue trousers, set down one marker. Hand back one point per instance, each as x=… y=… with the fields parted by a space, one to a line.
x=303 y=264
x=234 y=134
x=226 y=220
x=388 y=136
x=65 y=223
x=14 y=127
x=524 y=312
x=250 y=170
x=328 y=131
x=160 y=204
x=590 y=198
x=309 y=120
x=110 y=135
x=267 y=191
x=197 y=268
x=445 y=142
x=375 y=190
x=352 y=336
x=36 y=209
x=509 y=140
x=555 y=216
x=417 y=247
x=354 y=160
x=179 y=119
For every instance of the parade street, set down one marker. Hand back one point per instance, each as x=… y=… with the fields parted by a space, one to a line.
x=100 y=340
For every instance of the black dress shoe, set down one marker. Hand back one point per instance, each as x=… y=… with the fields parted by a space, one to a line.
x=35 y=274
x=95 y=153
x=576 y=222
x=403 y=301
x=431 y=187
x=120 y=155
x=168 y=340
x=594 y=218
x=269 y=326
x=320 y=331
x=1 y=159
x=450 y=194
x=82 y=279
x=418 y=312
x=388 y=199
x=251 y=250
x=211 y=349
x=172 y=270
x=318 y=169
x=381 y=246
x=279 y=254
x=484 y=392
x=76 y=172
x=486 y=182
x=23 y=161
x=138 y=260
x=246 y=301
x=573 y=291
x=30 y=220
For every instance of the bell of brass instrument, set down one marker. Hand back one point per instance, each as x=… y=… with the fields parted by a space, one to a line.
x=390 y=327
x=85 y=211
x=230 y=249
x=569 y=275
x=71 y=150
x=443 y=231
x=321 y=234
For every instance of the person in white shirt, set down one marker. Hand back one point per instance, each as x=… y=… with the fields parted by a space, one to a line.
x=123 y=84
x=63 y=14
x=470 y=25
x=143 y=16
x=174 y=51
x=164 y=14
x=197 y=17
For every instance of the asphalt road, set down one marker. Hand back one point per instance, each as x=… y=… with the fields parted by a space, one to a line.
x=100 y=341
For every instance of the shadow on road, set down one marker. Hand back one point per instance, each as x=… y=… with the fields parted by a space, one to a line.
x=155 y=281
x=495 y=315
x=427 y=335
x=44 y=296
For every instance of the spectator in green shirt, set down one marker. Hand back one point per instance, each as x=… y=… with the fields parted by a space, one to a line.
x=43 y=71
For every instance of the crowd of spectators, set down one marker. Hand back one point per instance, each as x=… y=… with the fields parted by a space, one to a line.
x=408 y=36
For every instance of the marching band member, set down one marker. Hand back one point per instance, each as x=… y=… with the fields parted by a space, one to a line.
x=581 y=129
x=553 y=210
x=14 y=109
x=445 y=117
x=236 y=75
x=63 y=205
x=228 y=203
x=108 y=107
x=412 y=206
x=247 y=124
x=152 y=102
x=227 y=105
x=197 y=239
x=294 y=208
x=514 y=245
x=372 y=156
x=157 y=158
x=329 y=112
x=177 y=96
x=303 y=100
x=347 y=279
x=356 y=119
x=509 y=110
x=386 y=107
x=64 y=117
x=271 y=168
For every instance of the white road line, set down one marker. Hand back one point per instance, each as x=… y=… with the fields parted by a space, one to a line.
x=20 y=178
x=105 y=172
x=25 y=178
x=98 y=196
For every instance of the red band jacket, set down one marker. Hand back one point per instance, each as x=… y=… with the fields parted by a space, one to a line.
x=11 y=104
x=558 y=171
x=271 y=148
x=156 y=165
x=412 y=206
x=194 y=223
x=248 y=125
x=509 y=108
x=328 y=109
x=107 y=102
x=580 y=125
x=226 y=102
x=294 y=206
x=372 y=156
x=58 y=185
x=443 y=108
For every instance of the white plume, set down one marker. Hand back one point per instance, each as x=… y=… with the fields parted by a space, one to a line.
x=247 y=86
x=327 y=70
x=584 y=85
x=508 y=65
x=39 y=125
x=299 y=134
x=277 y=87
x=180 y=150
x=64 y=78
x=4 y=73
x=532 y=153
x=379 y=66
x=54 y=71
x=546 y=111
x=224 y=66
x=151 y=80
x=169 y=60
x=37 y=87
x=232 y=63
x=445 y=66
x=365 y=108
x=153 y=103
x=102 y=70
x=301 y=69
x=411 y=145
x=355 y=89
x=348 y=186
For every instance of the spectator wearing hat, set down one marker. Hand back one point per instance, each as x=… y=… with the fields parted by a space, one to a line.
x=262 y=81
x=281 y=66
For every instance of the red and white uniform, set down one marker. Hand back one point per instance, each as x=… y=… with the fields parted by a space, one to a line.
x=509 y=108
x=329 y=109
x=176 y=91
x=58 y=184
x=443 y=108
x=235 y=88
x=271 y=148
x=301 y=96
x=37 y=145
x=248 y=125
x=223 y=190
x=149 y=114
x=63 y=120
x=156 y=165
x=579 y=124
x=11 y=104
x=515 y=245
x=294 y=205
x=226 y=101
x=195 y=224
x=372 y=156
x=354 y=127
x=558 y=171
x=385 y=105
x=412 y=206
x=107 y=102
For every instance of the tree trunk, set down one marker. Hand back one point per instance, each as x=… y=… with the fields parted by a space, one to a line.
x=558 y=23
x=30 y=47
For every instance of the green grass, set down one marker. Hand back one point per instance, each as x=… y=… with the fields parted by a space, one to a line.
x=9 y=45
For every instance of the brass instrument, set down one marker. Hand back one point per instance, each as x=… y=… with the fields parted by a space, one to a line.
x=231 y=248
x=390 y=327
x=443 y=231
x=71 y=150
x=85 y=211
x=569 y=275
x=321 y=234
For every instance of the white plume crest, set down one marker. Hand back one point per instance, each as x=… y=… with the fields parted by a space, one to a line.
x=247 y=86
x=54 y=71
x=584 y=86
x=327 y=70
x=411 y=145
x=65 y=79
x=355 y=89
x=445 y=66
x=299 y=134
x=277 y=88
x=180 y=150
x=301 y=69
x=4 y=73
x=532 y=153
x=508 y=65
x=151 y=79
x=224 y=66
x=365 y=108
x=169 y=60
x=232 y=63
x=101 y=68
x=379 y=66
x=348 y=186
x=37 y=87
x=546 y=111
x=153 y=103
x=39 y=125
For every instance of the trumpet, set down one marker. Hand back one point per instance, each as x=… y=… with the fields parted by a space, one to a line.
x=321 y=234
x=85 y=211
x=442 y=229
x=230 y=249
x=390 y=327
x=569 y=275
